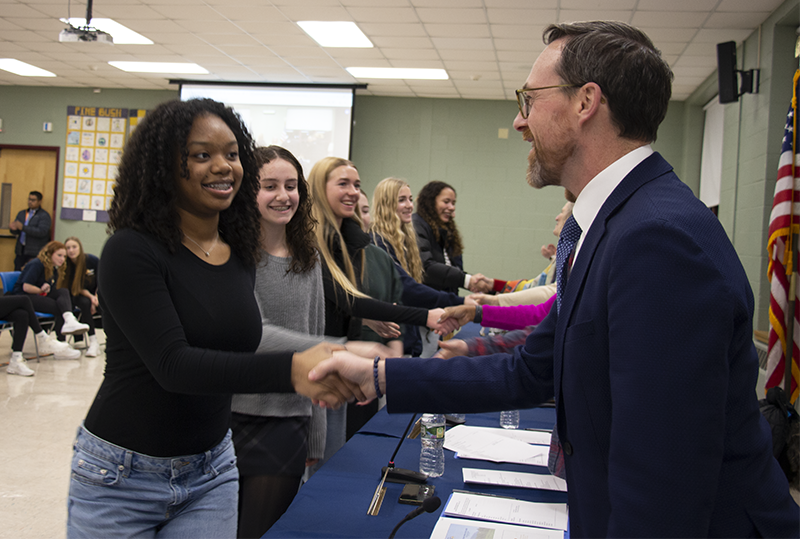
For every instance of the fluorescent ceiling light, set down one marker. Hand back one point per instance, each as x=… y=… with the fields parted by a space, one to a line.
x=122 y=34
x=397 y=73
x=21 y=68
x=160 y=67
x=336 y=34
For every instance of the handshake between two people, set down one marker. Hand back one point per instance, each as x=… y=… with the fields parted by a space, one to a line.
x=435 y=322
x=333 y=374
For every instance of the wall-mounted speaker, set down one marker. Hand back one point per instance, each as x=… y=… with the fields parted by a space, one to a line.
x=726 y=72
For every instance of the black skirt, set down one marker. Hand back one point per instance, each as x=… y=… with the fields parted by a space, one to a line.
x=275 y=446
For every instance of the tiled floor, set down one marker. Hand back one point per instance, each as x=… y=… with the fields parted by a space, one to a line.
x=38 y=419
x=39 y=416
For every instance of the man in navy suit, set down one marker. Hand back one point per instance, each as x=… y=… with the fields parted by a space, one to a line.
x=648 y=352
x=32 y=226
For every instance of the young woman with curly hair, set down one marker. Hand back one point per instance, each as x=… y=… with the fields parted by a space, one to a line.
x=440 y=245
x=79 y=276
x=38 y=281
x=182 y=327
x=392 y=231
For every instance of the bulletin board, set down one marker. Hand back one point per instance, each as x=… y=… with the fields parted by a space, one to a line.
x=95 y=139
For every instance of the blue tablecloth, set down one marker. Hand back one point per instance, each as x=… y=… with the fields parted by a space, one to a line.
x=334 y=502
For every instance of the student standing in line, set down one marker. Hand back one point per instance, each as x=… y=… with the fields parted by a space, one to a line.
x=335 y=189
x=278 y=435
x=393 y=232
x=154 y=454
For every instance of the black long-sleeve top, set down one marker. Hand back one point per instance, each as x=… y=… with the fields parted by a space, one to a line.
x=343 y=313
x=180 y=339
x=437 y=274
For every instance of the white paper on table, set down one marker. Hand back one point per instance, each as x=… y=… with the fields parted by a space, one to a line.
x=544 y=481
x=460 y=528
x=508 y=510
x=487 y=444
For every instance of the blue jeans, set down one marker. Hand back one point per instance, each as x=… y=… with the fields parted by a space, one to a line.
x=117 y=493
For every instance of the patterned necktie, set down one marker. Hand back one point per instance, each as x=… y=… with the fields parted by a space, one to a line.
x=566 y=245
x=23 y=237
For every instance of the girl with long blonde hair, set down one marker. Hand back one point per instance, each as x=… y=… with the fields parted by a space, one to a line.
x=393 y=231
x=335 y=189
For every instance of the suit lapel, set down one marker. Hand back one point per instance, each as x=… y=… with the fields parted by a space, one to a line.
x=649 y=169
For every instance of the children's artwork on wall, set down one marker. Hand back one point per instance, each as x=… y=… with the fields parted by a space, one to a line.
x=95 y=140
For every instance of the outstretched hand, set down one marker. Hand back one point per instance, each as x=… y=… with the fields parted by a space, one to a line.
x=387 y=330
x=548 y=251
x=480 y=284
x=485 y=299
x=331 y=389
x=463 y=314
x=347 y=366
x=452 y=348
x=441 y=327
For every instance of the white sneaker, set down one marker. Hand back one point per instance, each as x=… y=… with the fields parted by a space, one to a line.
x=67 y=353
x=17 y=365
x=93 y=351
x=72 y=326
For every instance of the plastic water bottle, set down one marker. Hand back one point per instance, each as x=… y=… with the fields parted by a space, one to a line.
x=510 y=419
x=431 y=457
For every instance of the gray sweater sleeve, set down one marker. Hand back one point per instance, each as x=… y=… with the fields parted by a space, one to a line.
x=293 y=319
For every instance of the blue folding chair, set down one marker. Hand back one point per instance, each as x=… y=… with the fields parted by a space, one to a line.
x=9 y=279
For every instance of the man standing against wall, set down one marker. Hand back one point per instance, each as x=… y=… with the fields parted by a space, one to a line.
x=33 y=228
x=653 y=382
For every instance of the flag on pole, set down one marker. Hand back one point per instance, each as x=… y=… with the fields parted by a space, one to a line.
x=784 y=223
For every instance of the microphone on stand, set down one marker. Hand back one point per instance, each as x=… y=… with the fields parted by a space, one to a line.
x=428 y=506
x=394 y=475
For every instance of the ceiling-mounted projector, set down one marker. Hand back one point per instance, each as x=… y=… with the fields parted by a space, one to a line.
x=84 y=34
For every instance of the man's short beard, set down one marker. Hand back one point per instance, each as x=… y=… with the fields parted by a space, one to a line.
x=536 y=175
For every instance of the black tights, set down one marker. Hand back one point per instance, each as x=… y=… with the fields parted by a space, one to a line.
x=19 y=310
x=262 y=501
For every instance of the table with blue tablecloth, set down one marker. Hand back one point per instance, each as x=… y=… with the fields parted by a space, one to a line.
x=334 y=502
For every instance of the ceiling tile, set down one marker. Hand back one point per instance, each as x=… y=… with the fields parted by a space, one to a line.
x=517 y=31
x=470 y=66
x=606 y=5
x=521 y=16
x=668 y=19
x=198 y=12
x=719 y=35
x=677 y=5
x=568 y=15
x=295 y=12
x=462 y=43
x=452 y=16
x=767 y=6
x=208 y=27
x=484 y=75
x=374 y=30
x=695 y=61
x=468 y=56
x=397 y=42
x=734 y=19
x=458 y=30
x=410 y=54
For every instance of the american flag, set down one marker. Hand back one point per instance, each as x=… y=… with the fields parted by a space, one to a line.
x=784 y=222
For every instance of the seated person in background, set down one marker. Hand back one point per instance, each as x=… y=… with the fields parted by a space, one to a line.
x=393 y=232
x=535 y=291
x=439 y=242
x=19 y=311
x=79 y=276
x=38 y=280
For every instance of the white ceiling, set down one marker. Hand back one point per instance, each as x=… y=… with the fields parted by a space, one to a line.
x=486 y=46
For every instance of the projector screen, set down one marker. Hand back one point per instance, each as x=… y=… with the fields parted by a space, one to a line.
x=310 y=122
